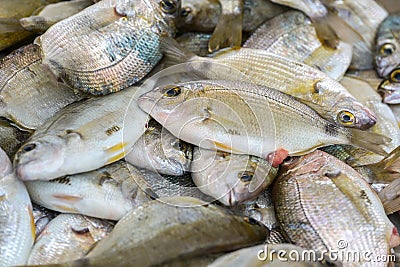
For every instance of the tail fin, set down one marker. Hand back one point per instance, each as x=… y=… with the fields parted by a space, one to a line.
x=228 y=32
x=371 y=141
x=10 y=25
x=390 y=197
x=174 y=52
x=388 y=169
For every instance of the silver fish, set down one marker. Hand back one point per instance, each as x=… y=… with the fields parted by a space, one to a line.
x=387 y=53
x=17 y=228
x=107 y=193
x=229 y=178
x=158 y=150
x=105 y=128
x=110 y=45
x=68 y=237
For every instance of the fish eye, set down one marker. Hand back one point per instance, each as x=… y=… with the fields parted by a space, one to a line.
x=246 y=177
x=172 y=91
x=395 y=76
x=186 y=11
x=168 y=6
x=180 y=146
x=346 y=117
x=28 y=147
x=387 y=49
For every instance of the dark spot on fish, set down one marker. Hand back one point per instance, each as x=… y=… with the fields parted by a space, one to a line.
x=331 y=129
x=73 y=132
x=317 y=86
x=332 y=173
x=364 y=196
x=112 y=130
x=105 y=176
x=151 y=193
x=205 y=205
x=251 y=220
x=80 y=231
x=61 y=180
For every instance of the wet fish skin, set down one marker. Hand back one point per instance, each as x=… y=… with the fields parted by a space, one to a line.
x=196 y=42
x=107 y=193
x=17 y=228
x=52 y=14
x=315 y=88
x=158 y=150
x=11 y=138
x=292 y=35
x=127 y=45
x=389 y=88
x=228 y=32
x=202 y=15
x=221 y=115
x=169 y=228
x=387 y=53
x=27 y=88
x=68 y=237
x=42 y=217
x=231 y=179
x=348 y=195
x=106 y=128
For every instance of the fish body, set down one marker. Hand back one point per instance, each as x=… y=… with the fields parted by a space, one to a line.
x=292 y=35
x=110 y=45
x=67 y=237
x=160 y=151
x=11 y=138
x=27 y=89
x=17 y=228
x=105 y=128
x=168 y=228
x=387 y=53
x=107 y=193
x=52 y=14
x=229 y=178
x=389 y=88
x=313 y=87
x=196 y=42
x=241 y=118
x=323 y=204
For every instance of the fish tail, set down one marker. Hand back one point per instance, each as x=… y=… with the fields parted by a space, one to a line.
x=371 y=141
x=326 y=35
x=10 y=25
x=228 y=32
x=390 y=197
x=174 y=52
x=343 y=30
x=388 y=169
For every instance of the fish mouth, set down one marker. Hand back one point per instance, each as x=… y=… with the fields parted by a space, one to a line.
x=389 y=96
x=369 y=121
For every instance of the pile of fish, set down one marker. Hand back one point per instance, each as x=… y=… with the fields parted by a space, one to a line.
x=199 y=133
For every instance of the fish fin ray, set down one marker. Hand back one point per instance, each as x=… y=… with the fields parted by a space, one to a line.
x=174 y=53
x=10 y=25
x=371 y=141
x=227 y=33
x=388 y=169
x=390 y=197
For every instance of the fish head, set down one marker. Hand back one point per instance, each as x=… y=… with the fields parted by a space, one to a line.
x=39 y=159
x=178 y=154
x=387 y=56
x=389 y=88
x=161 y=13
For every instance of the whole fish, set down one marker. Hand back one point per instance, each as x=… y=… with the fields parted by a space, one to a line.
x=386 y=122
x=109 y=45
x=11 y=138
x=313 y=87
x=68 y=237
x=196 y=42
x=157 y=185
x=27 y=89
x=52 y=14
x=17 y=228
x=387 y=53
x=158 y=232
x=229 y=178
x=42 y=217
x=267 y=255
x=323 y=204
x=292 y=35
x=390 y=87
x=104 y=128
x=228 y=32
x=243 y=118
x=203 y=15
x=107 y=193
x=160 y=151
